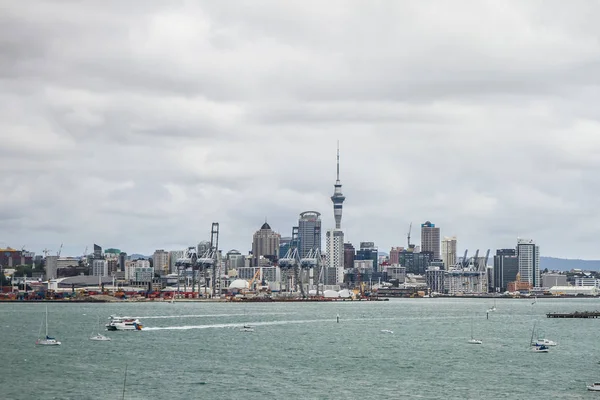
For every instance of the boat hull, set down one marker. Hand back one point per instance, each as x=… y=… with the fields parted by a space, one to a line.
x=51 y=342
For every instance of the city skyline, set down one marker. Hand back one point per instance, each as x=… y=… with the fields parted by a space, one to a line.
x=152 y=120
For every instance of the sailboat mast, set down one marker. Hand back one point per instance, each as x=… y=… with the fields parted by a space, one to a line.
x=46 y=321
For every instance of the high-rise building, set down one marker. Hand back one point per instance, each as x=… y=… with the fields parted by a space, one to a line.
x=349 y=255
x=235 y=260
x=449 y=252
x=97 y=252
x=160 y=261
x=430 y=239
x=266 y=244
x=506 y=268
x=337 y=198
x=309 y=232
x=334 y=239
x=368 y=251
x=100 y=268
x=122 y=259
x=174 y=255
x=528 y=254
x=51 y=267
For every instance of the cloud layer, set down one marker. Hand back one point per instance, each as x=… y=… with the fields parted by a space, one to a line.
x=137 y=124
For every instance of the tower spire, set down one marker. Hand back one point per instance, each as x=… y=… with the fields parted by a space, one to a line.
x=338 y=160
x=337 y=198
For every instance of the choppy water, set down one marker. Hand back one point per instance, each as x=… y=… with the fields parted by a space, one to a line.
x=196 y=350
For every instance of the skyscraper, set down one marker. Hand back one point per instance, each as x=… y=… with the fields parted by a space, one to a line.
x=528 y=254
x=266 y=244
x=449 y=252
x=337 y=198
x=309 y=232
x=430 y=239
x=506 y=267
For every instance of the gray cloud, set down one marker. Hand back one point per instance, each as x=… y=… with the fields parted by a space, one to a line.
x=138 y=124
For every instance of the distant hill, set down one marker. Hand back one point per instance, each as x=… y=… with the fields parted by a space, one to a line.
x=565 y=264
x=138 y=256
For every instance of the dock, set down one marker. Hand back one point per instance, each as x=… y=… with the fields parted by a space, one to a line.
x=576 y=314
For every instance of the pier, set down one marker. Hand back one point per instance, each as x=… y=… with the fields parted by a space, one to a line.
x=576 y=314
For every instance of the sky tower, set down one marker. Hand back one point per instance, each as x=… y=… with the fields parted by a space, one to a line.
x=338 y=198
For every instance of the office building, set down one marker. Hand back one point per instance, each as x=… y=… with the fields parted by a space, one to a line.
x=449 y=252
x=506 y=268
x=265 y=243
x=349 y=255
x=309 y=232
x=528 y=254
x=368 y=251
x=160 y=262
x=430 y=239
x=99 y=267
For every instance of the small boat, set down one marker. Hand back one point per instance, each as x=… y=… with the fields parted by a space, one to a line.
x=386 y=331
x=594 y=387
x=99 y=337
x=247 y=328
x=544 y=342
x=473 y=340
x=123 y=324
x=540 y=349
x=47 y=341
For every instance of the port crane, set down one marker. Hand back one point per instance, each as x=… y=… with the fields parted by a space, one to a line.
x=408 y=235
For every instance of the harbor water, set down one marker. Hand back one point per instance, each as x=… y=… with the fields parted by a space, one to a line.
x=299 y=350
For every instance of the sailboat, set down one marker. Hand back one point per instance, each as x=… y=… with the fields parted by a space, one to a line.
x=99 y=337
x=47 y=341
x=537 y=348
x=540 y=341
x=473 y=340
x=493 y=307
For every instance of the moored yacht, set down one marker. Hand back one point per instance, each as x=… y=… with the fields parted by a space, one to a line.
x=544 y=342
x=123 y=324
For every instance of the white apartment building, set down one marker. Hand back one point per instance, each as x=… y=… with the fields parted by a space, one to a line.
x=449 y=252
x=334 y=247
x=528 y=258
x=99 y=268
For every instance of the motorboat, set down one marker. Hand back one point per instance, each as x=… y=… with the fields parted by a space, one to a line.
x=247 y=328
x=544 y=342
x=47 y=340
x=386 y=331
x=541 y=349
x=474 y=341
x=123 y=324
x=594 y=387
x=100 y=338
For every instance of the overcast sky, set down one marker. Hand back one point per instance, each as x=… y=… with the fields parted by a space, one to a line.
x=136 y=124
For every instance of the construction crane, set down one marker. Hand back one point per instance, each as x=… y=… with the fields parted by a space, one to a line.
x=45 y=251
x=408 y=234
x=59 y=250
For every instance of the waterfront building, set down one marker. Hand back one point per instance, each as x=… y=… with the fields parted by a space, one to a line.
x=434 y=277
x=10 y=257
x=99 y=267
x=309 y=232
x=160 y=262
x=449 y=252
x=368 y=251
x=588 y=281
x=349 y=255
x=395 y=273
x=553 y=279
x=506 y=267
x=415 y=263
x=465 y=281
x=430 y=239
x=265 y=243
x=528 y=254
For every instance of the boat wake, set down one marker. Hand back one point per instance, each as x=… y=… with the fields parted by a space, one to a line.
x=209 y=315
x=237 y=325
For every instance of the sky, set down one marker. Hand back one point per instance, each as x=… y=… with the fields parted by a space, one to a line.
x=137 y=124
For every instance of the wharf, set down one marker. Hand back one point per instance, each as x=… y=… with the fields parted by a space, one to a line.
x=576 y=314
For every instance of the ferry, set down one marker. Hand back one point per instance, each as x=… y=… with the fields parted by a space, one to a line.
x=123 y=324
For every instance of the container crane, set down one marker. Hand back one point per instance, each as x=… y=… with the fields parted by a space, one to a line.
x=408 y=235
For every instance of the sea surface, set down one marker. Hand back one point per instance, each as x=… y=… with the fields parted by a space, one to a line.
x=299 y=351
